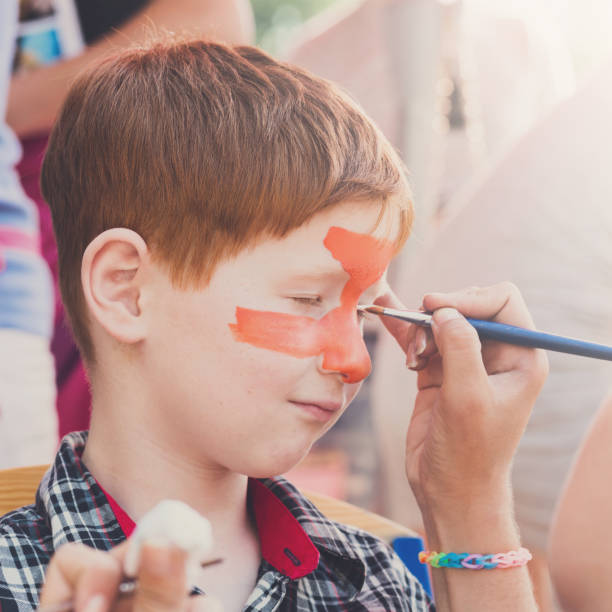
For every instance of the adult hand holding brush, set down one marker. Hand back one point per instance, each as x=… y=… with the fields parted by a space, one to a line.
x=473 y=403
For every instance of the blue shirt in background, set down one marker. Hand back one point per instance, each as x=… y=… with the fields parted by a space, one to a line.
x=26 y=293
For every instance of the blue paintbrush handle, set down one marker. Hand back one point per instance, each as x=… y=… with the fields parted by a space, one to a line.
x=505 y=333
x=534 y=339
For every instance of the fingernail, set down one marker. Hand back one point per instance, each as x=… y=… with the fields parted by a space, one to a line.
x=411 y=360
x=95 y=604
x=420 y=341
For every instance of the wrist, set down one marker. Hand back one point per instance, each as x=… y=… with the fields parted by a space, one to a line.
x=478 y=496
x=477 y=526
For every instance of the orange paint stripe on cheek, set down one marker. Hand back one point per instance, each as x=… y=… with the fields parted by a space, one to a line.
x=277 y=331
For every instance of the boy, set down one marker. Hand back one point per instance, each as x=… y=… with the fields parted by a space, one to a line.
x=219 y=215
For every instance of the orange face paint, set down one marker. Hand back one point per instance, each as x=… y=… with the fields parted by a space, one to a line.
x=337 y=336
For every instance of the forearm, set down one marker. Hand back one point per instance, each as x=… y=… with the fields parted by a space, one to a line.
x=480 y=527
x=35 y=97
x=469 y=414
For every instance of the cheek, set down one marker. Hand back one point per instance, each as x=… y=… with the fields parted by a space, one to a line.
x=266 y=372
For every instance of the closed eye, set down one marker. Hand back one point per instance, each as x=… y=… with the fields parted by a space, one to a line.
x=316 y=300
x=308 y=300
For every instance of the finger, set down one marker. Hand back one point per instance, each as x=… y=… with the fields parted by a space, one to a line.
x=416 y=364
x=414 y=361
x=460 y=350
x=119 y=551
x=83 y=575
x=421 y=349
x=431 y=375
x=162 y=579
x=502 y=302
x=425 y=345
x=403 y=331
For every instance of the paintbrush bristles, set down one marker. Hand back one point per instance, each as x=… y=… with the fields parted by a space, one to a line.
x=411 y=316
x=372 y=309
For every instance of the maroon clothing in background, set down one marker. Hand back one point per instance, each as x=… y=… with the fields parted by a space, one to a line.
x=73 y=397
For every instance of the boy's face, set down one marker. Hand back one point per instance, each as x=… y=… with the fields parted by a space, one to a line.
x=257 y=365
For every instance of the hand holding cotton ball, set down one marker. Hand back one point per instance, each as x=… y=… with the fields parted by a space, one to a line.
x=172 y=523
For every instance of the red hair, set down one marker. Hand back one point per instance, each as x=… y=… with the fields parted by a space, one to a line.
x=202 y=149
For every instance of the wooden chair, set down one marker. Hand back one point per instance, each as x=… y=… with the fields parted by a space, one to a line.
x=18 y=488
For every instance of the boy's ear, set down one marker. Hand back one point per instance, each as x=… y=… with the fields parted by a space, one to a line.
x=113 y=274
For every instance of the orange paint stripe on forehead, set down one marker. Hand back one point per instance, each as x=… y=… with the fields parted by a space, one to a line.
x=363 y=257
x=337 y=335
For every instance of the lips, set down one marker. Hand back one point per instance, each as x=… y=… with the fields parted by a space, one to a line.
x=320 y=410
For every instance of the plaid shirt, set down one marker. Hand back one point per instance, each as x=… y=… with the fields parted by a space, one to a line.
x=309 y=562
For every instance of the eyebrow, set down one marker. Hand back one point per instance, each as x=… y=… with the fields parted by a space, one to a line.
x=318 y=275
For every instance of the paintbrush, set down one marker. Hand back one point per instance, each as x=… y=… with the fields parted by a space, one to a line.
x=501 y=332
x=126 y=588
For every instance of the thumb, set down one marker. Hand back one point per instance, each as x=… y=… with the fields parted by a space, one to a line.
x=460 y=348
x=162 y=579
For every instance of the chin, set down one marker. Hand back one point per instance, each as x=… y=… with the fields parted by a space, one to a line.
x=277 y=464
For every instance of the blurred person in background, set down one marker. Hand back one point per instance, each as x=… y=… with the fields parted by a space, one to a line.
x=58 y=38
x=579 y=539
x=28 y=424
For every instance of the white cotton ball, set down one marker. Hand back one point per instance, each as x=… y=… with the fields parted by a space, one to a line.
x=171 y=522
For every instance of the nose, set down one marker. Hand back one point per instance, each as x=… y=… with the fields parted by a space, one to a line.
x=344 y=350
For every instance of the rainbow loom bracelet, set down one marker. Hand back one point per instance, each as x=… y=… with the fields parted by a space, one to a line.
x=513 y=558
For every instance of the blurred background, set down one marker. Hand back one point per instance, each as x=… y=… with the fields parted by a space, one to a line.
x=500 y=111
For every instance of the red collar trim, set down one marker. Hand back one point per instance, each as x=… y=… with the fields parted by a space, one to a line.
x=125 y=522
x=284 y=543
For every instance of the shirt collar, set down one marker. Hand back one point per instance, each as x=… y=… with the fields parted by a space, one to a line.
x=343 y=561
x=295 y=537
x=75 y=506
x=284 y=544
